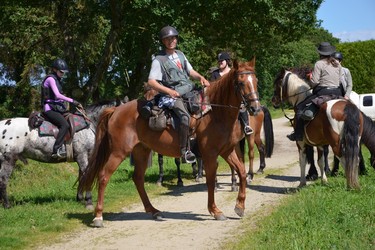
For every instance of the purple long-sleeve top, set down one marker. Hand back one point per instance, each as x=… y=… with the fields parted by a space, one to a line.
x=50 y=83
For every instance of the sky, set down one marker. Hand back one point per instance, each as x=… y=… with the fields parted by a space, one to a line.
x=348 y=20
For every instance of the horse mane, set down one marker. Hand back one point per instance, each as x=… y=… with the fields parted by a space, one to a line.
x=217 y=92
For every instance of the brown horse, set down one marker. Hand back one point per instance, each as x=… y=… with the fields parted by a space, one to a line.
x=338 y=123
x=262 y=120
x=122 y=131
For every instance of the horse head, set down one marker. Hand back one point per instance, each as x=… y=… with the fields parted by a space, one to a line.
x=247 y=85
x=289 y=87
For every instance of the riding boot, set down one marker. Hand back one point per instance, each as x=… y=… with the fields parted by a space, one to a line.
x=244 y=117
x=297 y=135
x=186 y=155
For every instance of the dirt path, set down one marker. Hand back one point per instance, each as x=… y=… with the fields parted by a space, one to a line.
x=187 y=224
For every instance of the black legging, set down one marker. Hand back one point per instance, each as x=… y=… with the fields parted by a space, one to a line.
x=58 y=119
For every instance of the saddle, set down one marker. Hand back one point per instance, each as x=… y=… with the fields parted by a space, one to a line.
x=160 y=117
x=46 y=128
x=310 y=110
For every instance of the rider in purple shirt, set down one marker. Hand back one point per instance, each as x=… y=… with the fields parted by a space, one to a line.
x=53 y=105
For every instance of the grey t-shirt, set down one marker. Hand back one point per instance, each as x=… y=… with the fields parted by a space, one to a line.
x=156 y=72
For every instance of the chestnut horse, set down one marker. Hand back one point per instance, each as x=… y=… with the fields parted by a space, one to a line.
x=122 y=131
x=262 y=119
x=338 y=123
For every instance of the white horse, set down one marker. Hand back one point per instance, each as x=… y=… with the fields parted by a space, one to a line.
x=19 y=142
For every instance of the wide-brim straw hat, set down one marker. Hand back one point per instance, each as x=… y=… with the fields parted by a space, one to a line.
x=326 y=49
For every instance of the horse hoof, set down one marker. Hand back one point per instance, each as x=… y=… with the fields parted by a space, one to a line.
x=159 y=183
x=180 y=184
x=312 y=177
x=234 y=189
x=199 y=179
x=90 y=207
x=158 y=216
x=220 y=216
x=249 y=181
x=260 y=171
x=239 y=211
x=98 y=222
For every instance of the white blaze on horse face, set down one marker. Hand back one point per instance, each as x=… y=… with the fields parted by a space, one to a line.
x=252 y=89
x=336 y=125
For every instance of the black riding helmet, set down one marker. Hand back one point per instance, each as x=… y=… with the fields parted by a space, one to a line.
x=61 y=65
x=223 y=56
x=167 y=31
x=338 y=56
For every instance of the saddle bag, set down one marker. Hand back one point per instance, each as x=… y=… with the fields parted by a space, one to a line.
x=158 y=119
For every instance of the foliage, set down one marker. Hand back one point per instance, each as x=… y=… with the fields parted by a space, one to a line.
x=108 y=45
x=359 y=59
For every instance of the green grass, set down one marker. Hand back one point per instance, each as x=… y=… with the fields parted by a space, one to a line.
x=316 y=217
x=43 y=199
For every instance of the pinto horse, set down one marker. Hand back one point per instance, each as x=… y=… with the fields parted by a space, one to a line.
x=20 y=142
x=122 y=131
x=338 y=123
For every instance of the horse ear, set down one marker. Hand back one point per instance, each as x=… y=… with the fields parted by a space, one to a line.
x=235 y=64
x=252 y=62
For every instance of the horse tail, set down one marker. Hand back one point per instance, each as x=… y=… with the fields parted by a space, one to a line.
x=100 y=152
x=349 y=144
x=268 y=132
x=368 y=133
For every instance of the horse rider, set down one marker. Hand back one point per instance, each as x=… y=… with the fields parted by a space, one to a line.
x=170 y=75
x=325 y=80
x=346 y=82
x=53 y=104
x=225 y=64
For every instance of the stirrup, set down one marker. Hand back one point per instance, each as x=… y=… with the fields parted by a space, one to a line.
x=188 y=157
x=248 y=130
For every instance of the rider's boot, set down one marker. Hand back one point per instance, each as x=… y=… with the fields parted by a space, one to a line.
x=297 y=135
x=186 y=155
x=244 y=117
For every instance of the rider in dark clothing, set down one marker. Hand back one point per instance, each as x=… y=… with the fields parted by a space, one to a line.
x=53 y=105
x=224 y=61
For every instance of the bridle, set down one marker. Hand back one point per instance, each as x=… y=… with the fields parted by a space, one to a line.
x=246 y=100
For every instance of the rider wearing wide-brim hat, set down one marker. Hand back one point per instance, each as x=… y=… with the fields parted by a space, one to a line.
x=325 y=80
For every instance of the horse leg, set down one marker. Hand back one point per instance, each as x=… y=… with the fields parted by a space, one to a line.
x=362 y=166
x=161 y=170
x=321 y=161
x=302 y=162
x=140 y=155
x=103 y=179
x=6 y=167
x=239 y=167
x=262 y=156
x=80 y=195
x=198 y=170
x=312 y=174
x=211 y=168
x=234 y=187
x=335 y=169
x=177 y=161
x=250 y=173
x=326 y=164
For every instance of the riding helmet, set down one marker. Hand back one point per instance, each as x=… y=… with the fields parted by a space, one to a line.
x=61 y=65
x=338 y=56
x=223 y=56
x=167 y=31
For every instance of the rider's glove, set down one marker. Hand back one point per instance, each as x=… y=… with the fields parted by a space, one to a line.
x=77 y=104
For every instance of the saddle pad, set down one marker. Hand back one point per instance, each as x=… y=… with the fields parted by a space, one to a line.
x=49 y=129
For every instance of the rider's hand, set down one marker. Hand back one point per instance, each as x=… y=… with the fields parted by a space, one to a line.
x=173 y=93
x=77 y=104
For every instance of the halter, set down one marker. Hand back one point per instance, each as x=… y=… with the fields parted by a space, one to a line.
x=239 y=85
